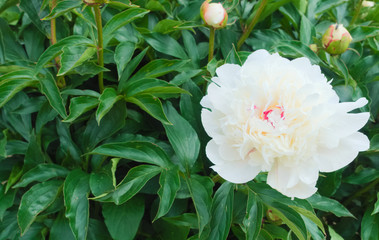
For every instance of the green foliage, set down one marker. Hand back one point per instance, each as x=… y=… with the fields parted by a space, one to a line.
x=129 y=162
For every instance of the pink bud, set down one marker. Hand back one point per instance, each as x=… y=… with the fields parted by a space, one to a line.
x=214 y=14
x=336 y=39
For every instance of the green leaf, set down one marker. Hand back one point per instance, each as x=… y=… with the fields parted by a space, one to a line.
x=136 y=178
x=295 y=49
x=159 y=67
x=361 y=33
x=6 y=200
x=62 y=7
x=253 y=219
x=61 y=229
x=156 y=87
x=291 y=218
x=120 y=20
x=144 y=152
x=34 y=201
x=160 y=42
x=42 y=173
x=50 y=89
x=15 y=174
x=80 y=105
x=329 y=205
x=370 y=225
x=123 y=220
x=365 y=175
x=310 y=215
x=32 y=9
x=150 y=104
x=123 y=54
x=307 y=31
x=13 y=82
x=169 y=182
x=74 y=56
x=75 y=192
x=33 y=155
x=68 y=146
x=222 y=211
x=200 y=189
x=333 y=234
x=100 y=181
x=106 y=101
x=376 y=206
x=56 y=49
x=110 y=124
x=129 y=69
x=182 y=137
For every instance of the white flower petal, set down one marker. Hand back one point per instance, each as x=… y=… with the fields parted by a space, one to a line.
x=348 y=106
x=228 y=75
x=237 y=171
x=330 y=160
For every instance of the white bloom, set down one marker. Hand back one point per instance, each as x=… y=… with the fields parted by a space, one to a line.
x=214 y=14
x=368 y=3
x=279 y=116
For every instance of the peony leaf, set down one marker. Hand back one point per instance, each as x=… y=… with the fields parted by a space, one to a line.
x=253 y=219
x=160 y=42
x=153 y=86
x=329 y=205
x=182 y=137
x=107 y=99
x=169 y=182
x=76 y=190
x=62 y=7
x=144 y=152
x=74 y=56
x=123 y=54
x=123 y=220
x=222 y=211
x=79 y=106
x=370 y=225
x=35 y=200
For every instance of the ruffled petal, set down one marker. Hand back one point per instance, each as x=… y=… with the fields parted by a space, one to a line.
x=330 y=160
x=237 y=171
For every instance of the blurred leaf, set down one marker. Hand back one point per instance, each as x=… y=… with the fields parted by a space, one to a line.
x=62 y=7
x=376 y=206
x=106 y=101
x=365 y=175
x=310 y=215
x=222 y=211
x=191 y=47
x=123 y=54
x=169 y=182
x=160 y=42
x=120 y=20
x=307 y=31
x=297 y=49
x=42 y=173
x=186 y=220
x=80 y=105
x=200 y=189
x=361 y=33
x=324 y=6
x=75 y=192
x=61 y=229
x=150 y=104
x=73 y=57
x=50 y=89
x=35 y=200
x=144 y=152
x=329 y=205
x=253 y=219
x=15 y=174
x=370 y=225
x=66 y=142
x=123 y=220
x=334 y=235
x=136 y=178
x=57 y=49
x=100 y=181
x=45 y=115
x=182 y=137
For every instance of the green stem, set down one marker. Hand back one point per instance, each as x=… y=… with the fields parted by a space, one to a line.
x=360 y=192
x=252 y=24
x=356 y=13
x=100 y=50
x=211 y=43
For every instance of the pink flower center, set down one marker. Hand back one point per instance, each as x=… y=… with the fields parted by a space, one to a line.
x=273 y=115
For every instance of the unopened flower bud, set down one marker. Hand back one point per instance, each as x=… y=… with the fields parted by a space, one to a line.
x=368 y=3
x=272 y=217
x=336 y=39
x=213 y=14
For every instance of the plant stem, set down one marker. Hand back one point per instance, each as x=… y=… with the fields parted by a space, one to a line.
x=100 y=50
x=356 y=13
x=211 y=43
x=252 y=24
x=360 y=192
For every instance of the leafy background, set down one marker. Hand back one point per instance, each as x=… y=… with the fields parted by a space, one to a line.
x=128 y=162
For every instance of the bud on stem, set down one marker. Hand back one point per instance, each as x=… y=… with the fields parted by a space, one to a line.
x=336 y=39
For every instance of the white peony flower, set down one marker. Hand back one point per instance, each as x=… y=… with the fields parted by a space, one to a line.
x=282 y=117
